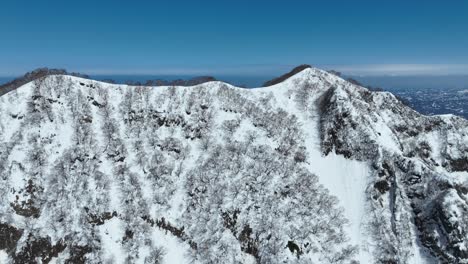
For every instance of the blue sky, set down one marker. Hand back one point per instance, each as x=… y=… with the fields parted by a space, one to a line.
x=234 y=37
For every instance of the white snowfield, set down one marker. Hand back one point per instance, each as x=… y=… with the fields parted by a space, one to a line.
x=103 y=173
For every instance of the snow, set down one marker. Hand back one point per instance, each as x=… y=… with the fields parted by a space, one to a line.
x=386 y=138
x=111 y=234
x=176 y=250
x=346 y=179
x=3 y=256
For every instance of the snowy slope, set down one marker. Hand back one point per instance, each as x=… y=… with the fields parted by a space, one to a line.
x=313 y=169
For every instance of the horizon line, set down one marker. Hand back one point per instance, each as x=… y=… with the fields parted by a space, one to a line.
x=262 y=70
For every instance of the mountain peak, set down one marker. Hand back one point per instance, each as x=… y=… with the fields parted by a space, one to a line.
x=285 y=76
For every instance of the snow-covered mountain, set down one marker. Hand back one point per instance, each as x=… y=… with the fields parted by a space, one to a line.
x=313 y=169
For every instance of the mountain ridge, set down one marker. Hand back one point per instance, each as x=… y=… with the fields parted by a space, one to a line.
x=44 y=72
x=404 y=171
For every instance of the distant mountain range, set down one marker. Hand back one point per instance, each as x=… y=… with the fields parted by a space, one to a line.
x=389 y=83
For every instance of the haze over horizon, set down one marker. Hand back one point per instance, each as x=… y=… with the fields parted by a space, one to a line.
x=242 y=38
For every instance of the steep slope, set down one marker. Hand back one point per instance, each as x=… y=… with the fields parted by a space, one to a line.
x=312 y=169
x=420 y=167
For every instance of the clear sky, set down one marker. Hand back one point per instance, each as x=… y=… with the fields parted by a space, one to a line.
x=234 y=37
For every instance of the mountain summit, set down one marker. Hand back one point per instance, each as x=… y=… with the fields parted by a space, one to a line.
x=312 y=169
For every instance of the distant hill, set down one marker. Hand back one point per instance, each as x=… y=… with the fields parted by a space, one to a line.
x=34 y=75
x=43 y=72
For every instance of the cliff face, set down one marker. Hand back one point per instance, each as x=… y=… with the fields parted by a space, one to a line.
x=311 y=169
